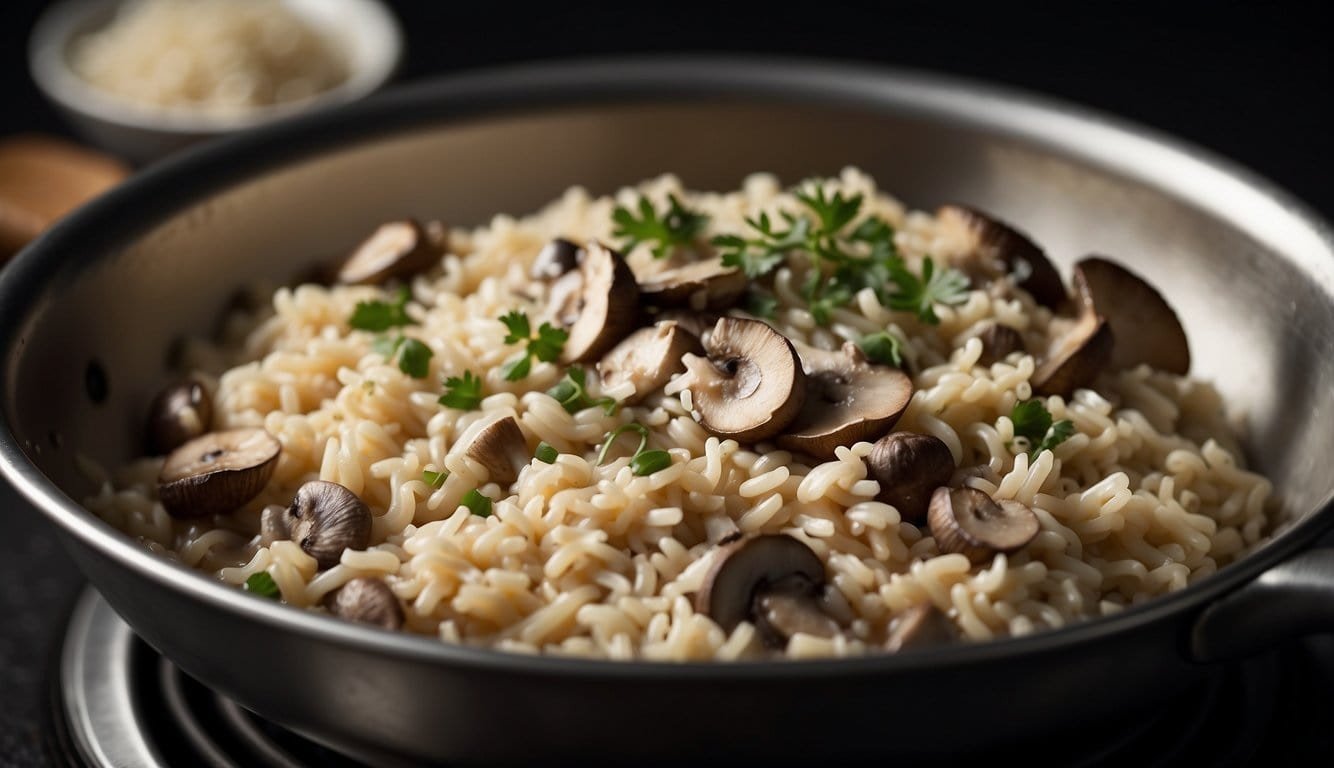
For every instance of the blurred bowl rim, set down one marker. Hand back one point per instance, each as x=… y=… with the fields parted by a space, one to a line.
x=369 y=21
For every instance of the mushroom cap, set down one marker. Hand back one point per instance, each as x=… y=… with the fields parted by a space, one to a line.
x=847 y=400
x=748 y=567
x=647 y=359
x=751 y=384
x=609 y=305
x=998 y=341
x=182 y=411
x=555 y=259
x=395 y=249
x=217 y=472
x=500 y=447
x=699 y=285
x=1075 y=358
x=698 y=323
x=909 y=467
x=788 y=608
x=968 y=521
x=921 y=626
x=368 y=601
x=1145 y=326
x=325 y=519
x=994 y=242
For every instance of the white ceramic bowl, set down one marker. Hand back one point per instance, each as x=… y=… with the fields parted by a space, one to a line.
x=364 y=30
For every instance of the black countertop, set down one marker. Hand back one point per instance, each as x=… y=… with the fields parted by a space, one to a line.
x=1250 y=82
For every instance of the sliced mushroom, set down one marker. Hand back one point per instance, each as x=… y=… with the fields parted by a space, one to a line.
x=700 y=324
x=967 y=521
x=1141 y=320
x=751 y=384
x=922 y=626
x=273 y=525
x=218 y=472
x=608 y=305
x=500 y=447
x=366 y=600
x=180 y=412
x=698 y=285
x=998 y=341
x=565 y=299
x=847 y=400
x=771 y=580
x=1075 y=358
x=995 y=248
x=555 y=259
x=325 y=519
x=647 y=359
x=396 y=249
x=909 y=467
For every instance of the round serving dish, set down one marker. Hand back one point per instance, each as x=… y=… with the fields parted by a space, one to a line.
x=364 y=30
x=91 y=311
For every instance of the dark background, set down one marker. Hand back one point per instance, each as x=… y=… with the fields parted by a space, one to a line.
x=1252 y=82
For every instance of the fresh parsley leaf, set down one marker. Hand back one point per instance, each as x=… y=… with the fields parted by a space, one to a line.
x=761 y=255
x=545 y=346
x=381 y=315
x=546 y=453
x=572 y=393
x=834 y=212
x=761 y=304
x=462 y=392
x=679 y=227
x=882 y=347
x=920 y=294
x=262 y=584
x=1033 y=422
x=517 y=324
x=386 y=346
x=477 y=503
x=433 y=478
x=414 y=358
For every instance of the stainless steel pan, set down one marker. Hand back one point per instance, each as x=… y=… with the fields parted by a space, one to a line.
x=90 y=313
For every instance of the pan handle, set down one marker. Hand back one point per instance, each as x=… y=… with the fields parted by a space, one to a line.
x=1294 y=598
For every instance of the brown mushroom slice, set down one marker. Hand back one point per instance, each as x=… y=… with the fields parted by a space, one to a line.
x=698 y=285
x=368 y=601
x=909 y=467
x=700 y=324
x=1000 y=248
x=922 y=626
x=790 y=607
x=1147 y=329
x=1075 y=358
x=847 y=400
x=998 y=341
x=500 y=447
x=751 y=384
x=608 y=305
x=752 y=568
x=218 y=472
x=325 y=519
x=555 y=259
x=180 y=412
x=647 y=359
x=969 y=522
x=396 y=249
x=273 y=525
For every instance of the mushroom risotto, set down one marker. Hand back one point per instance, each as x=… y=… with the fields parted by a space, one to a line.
x=685 y=425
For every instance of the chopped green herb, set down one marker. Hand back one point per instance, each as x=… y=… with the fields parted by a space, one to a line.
x=882 y=347
x=642 y=462
x=381 y=315
x=647 y=462
x=1033 y=422
x=761 y=304
x=572 y=393
x=920 y=295
x=679 y=227
x=262 y=584
x=545 y=346
x=462 y=392
x=545 y=453
x=433 y=478
x=759 y=256
x=477 y=503
x=413 y=357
